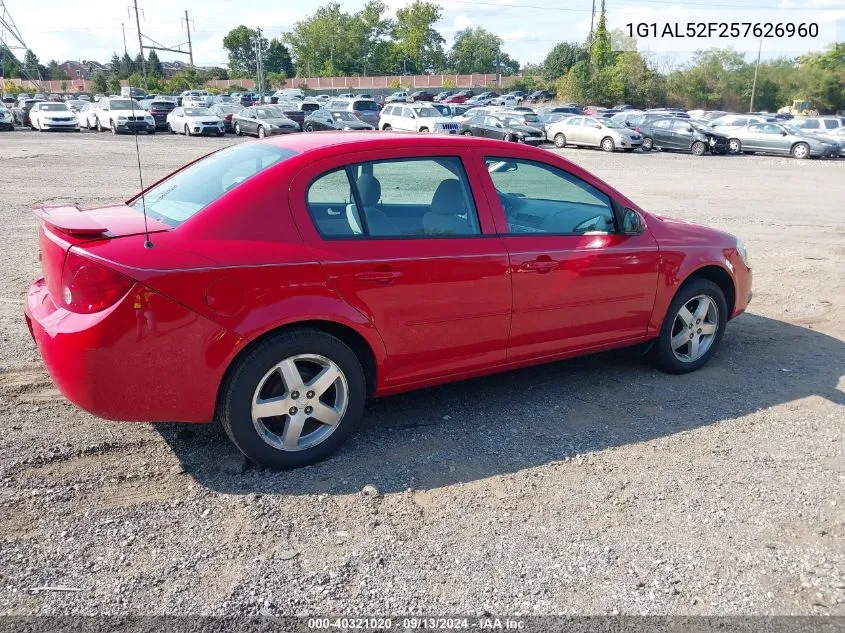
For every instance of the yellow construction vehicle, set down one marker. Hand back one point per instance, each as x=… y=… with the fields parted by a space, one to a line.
x=800 y=107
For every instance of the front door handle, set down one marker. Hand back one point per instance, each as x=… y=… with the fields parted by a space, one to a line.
x=540 y=265
x=378 y=276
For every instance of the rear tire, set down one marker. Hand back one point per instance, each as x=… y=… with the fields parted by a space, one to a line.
x=237 y=129
x=648 y=144
x=263 y=439
x=671 y=345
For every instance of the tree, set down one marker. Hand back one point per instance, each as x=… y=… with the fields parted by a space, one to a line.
x=124 y=69
x=240 y=43
x=375 y=52
x=325 y=42
x=420 y=45
x=278 y=59
x=113 y=84
x=154 y=67
x=99 y=81
x=31 y=66
x=55 y=72
x=114 y=63
x=10 y=66
x=601 y=50
x=561 y=58
x=276 y=80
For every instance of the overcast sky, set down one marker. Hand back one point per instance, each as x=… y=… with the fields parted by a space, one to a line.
x=57 y=29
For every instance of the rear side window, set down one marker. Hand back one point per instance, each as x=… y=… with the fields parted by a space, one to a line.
x=187 y=192
x=405 y=198
x=830 y=124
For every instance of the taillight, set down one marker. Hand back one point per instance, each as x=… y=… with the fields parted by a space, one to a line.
x=228 y=117
x=90 y=287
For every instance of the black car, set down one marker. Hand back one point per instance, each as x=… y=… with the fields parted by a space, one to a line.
x=540 y=96
x=226 y=111
x=321 y=120
x=565 y=109
x=159 y=109
x=293 y=111
x=502 y=127
x=263 y=121
x=421 y=95
x=20 y=114
x=672 y=133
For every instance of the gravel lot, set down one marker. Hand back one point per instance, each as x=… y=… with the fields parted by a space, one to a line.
x=592 y=486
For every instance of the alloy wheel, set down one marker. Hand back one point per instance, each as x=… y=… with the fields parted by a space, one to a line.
x=695 y=328
x=734 y=146
x=261 y=132
x=300 y=402
x=647 y=144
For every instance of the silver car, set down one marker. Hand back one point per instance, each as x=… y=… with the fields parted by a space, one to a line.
x=592 y=132
x=364 y=109
x=775 y=138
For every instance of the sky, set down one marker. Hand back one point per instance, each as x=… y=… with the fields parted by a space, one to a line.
x=64 y=30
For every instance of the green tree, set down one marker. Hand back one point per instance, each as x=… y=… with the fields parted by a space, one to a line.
x=10 y=66
x=124 y=69
x=278 y=59
x=154 y=67
x=371 y=30
x=31 y=65
x=99 y=81
x=561 y=58
x=276 y=80
x=114 y=63
x=601 y=50
x=113 y=84
x=55 y=72
x=419 y=43
x=474 y=51
x=240 y=44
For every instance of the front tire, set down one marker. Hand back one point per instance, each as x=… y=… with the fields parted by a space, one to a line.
x=293 y=399
x=698 y=148
x=560 y=140
x=800 y=151
x=607 y=144
x=309 y=128
x=693 y=327
x=468 y=133
x=113 y=128
x=648 y=144
x=386 y=127
x=734 y=146
x=261 y=132
x=187 y=131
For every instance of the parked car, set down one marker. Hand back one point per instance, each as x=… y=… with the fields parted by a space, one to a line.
x=413 y=117
x=442 y=95
x=9 y=101
x=121 y=114
x=307 y=107
x=6 y=120
x=566 y=109
x=247 y=99
x=291 y=110
x=196 y=99
x=322 y=99
x=817 y=123
x=75 y=105
x=739 y=120
x=365 y=109
x=501 y=127
x=834 y=137
x=450 y=109
x=458 y=97
x=340 y=305
x=21 y=112
x=591 y=132
x=400 y=97
x=159 y=109
x=483 y=98
x=192 y=121
x=524 y=117
x=322 y=120
x=513 y=98
x=263 y=121
x=52 y=115
x=553 y=117
x=540 y=96
x=707 y=115
x=672 y=133
x=419 y=95
x=87 y=116
x=776 y=138
x=226 y=111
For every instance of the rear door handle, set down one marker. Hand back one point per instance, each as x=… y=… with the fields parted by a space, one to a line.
x=378 y=276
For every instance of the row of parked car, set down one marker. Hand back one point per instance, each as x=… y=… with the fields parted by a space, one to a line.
x=622 y=128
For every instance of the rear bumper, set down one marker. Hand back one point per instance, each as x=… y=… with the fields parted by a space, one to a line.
x=146 y=358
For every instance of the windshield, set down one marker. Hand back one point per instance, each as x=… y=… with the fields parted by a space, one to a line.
x=189 y=191
x=197 y=112
x=229 y=108
x=611 y=123
x=124 y=104
x=342 y=115
x=426 y=111
x=269 y=113
x=54 y=107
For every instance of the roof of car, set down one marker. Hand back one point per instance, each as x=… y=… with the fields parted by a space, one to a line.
x=374 y=140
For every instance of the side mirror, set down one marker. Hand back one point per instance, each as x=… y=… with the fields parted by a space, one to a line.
x=783 y=132
x=690 y=129
x=632 y=222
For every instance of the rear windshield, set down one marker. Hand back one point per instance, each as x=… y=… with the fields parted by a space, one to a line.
x=189 y=191
x=310 y=107
x=163 y=105
x=365 y=106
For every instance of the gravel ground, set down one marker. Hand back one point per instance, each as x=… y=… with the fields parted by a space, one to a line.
x=592 y=486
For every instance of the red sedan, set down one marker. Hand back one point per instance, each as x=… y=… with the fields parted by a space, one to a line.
x=287 y=280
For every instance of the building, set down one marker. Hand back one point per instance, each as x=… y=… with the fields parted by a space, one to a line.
x=83 y=69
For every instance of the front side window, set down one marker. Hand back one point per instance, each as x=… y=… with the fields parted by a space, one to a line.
x=539 y=198
x=404 y=198
x=190 y=190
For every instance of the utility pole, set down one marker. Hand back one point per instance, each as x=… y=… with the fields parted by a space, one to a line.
x=258 y=64
x=754 y=84
x=190 y=49
x=140 y=43
x=592 y=21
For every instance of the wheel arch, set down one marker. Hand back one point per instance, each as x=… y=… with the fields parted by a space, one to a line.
x=718 y=276
x=356 y=341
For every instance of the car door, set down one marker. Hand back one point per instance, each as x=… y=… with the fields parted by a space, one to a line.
x=681 y=134
x=771 y=138
x=592 y=132
x=661 y=133
x=574 y=130
x=408 y=121
x=753 y=138
x=579 y=283
x=410 y=243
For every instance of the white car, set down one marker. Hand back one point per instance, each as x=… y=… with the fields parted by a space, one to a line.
x=87 y=116
x=122 y=114
x=197 y=99
x=195 y=122
x=52 y=115
x=412 y=117
x=510 y=100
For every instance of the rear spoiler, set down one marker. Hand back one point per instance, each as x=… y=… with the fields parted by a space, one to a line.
x=68 y=219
